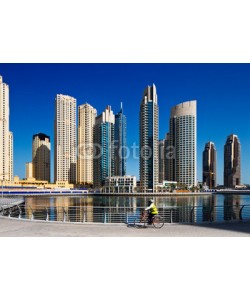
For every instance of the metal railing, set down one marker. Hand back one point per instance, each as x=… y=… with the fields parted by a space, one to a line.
x=127 y=215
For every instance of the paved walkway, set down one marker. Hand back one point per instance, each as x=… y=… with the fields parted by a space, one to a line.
x=25 y=228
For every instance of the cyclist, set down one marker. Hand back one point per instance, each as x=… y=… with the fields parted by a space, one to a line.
x=152 y=211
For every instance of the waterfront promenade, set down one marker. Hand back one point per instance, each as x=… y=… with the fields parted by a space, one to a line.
x=24 y=228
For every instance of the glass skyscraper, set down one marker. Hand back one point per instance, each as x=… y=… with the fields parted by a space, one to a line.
x=120 y=143
x=149 y=136
x=104 y=147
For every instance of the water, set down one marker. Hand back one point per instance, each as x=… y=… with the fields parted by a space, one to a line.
x=124 y=208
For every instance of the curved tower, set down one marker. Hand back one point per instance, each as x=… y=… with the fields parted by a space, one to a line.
x=232 y=167
x=182 y=138
x=209 y=165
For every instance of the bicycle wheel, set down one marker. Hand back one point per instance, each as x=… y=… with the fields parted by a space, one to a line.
x=158 y=221
x=139 y=222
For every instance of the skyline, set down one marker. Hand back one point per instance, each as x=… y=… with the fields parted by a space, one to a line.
x=214 y=86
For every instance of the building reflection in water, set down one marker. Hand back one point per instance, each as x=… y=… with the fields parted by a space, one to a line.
x=175 y=209
x=209 y=212
x=232 y=205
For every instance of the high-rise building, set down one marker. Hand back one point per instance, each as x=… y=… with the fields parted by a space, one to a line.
x=182 y=165
x=232 y=163
x=168 y=155
x=120 y=143
x=41 y=156
x=65 y=139
x=209 y=165
x=29 y=170
x=6 y=137
x=161 y=160
x=149 y=144
x=104 y=147
x=86 y=122
x=11 y=176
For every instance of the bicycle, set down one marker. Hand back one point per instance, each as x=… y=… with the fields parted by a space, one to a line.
x=142 y=221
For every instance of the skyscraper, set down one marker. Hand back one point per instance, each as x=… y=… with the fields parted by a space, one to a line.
x=209 y=165
x=149 y=136
x=168 y=155
x=28 y=170
x=6 y=137
x=232 y=166
x=104 y=147
x=161 y=160
x=86 y=122
x=65 y=139
x=11 y=156
x=41 y=157
x=182 y=165
x=120 y=143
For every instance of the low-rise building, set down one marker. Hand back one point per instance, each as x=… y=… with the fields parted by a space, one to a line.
x=120 y=184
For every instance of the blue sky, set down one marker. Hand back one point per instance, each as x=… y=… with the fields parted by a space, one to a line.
x=222 y=92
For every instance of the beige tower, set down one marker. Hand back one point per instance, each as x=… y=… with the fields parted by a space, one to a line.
x=182 y=165
x=29 y=170
x=6 y=138
x=86 y=122
x=41 y=157
x=10 y=156
x=65 y=139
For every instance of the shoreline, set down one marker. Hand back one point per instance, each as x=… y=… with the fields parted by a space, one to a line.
x=11 y=193
x=84 y=193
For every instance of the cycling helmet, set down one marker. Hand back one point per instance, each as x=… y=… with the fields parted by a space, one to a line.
x=152 y=200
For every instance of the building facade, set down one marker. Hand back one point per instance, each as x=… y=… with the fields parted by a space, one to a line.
x=6 y=137
x=120 y=184
x=11 y=162
x=209 y=165
x=149 y=136
x=41 y=157
x=28 y=170
x=86 y=121
x=161 y=161
x=232 y=162
x=182 y=140
x=104 y=164
x=65 y=139
x=120 y=143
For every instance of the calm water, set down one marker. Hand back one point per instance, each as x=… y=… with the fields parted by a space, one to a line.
x=221 y=207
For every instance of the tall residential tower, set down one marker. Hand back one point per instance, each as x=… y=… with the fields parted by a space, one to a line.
x=104 y=147
x=182 y=139
x=232 y=166
x=6 y=137
x=65 y=139
x=149 y=144
x=41 y=157
x=120 y=143
x=209 y=165
x=86 y=122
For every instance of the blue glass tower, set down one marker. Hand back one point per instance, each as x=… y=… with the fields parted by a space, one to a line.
x=149 y=170
x=103 y=147
x=120 y=143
